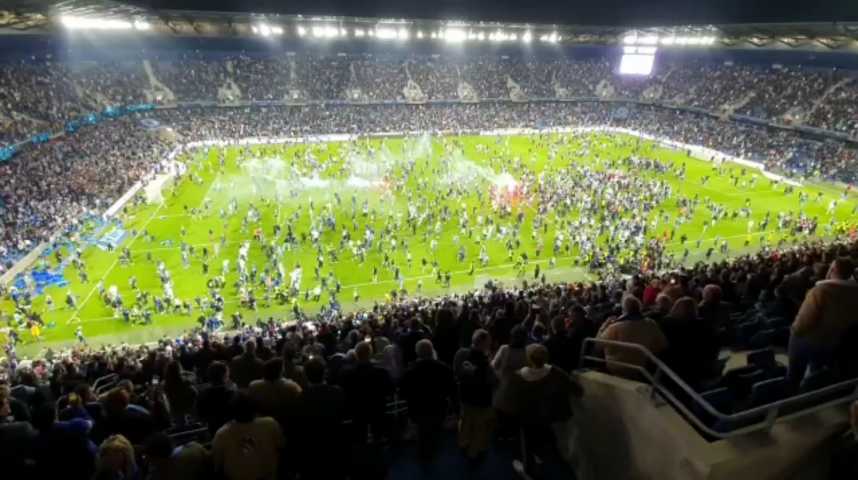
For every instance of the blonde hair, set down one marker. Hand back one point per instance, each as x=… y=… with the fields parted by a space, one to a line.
x=116 y=454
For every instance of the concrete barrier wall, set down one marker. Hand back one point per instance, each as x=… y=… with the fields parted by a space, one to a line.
x=625 y=433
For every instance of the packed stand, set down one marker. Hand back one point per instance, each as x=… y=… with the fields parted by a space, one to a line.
x=52 y=186
x=498 y=359
x=839 y=111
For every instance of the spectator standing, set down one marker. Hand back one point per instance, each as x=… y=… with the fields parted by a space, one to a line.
x=273 y=395
x=427 y=388
x=367 y=388
x=63 y=449
x=213 y=403
x=476 y=381
x=826 y=315
x=693 y=344
x=247 y=447
x=542 y=397
x=631 y=327
x=246 y=367
x=560 y=347
x=507 y=361
x=180 y=394
x=322 y=410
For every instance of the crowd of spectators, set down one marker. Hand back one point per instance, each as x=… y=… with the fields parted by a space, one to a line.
x=42 y=96
x=54 y=185
x=277 y=397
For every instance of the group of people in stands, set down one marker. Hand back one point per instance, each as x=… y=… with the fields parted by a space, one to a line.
x=281 y=397
x=41 y=95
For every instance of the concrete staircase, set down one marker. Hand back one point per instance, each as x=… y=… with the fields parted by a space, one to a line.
x=354 y=93
x=516 y=94
x=295 y=94
x=802 y=117
x=604 y=89
x=729 y=108
x=157 y=91
x=229 y=91
x=466 y=92
x=412 y=91
x=94 y=100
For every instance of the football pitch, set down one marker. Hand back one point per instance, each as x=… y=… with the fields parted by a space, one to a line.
x=456 y=202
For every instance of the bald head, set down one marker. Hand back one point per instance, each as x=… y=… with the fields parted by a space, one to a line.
x=631 y=305
x=424 y=350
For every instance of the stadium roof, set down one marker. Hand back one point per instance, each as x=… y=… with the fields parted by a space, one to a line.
x=42 y=16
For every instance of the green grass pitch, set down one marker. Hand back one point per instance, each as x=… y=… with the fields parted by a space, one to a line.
x=251 y=178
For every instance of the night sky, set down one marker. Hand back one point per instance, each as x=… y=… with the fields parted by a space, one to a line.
x=591 y=12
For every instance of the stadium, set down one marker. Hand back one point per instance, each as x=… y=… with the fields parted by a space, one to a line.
x=285 y=244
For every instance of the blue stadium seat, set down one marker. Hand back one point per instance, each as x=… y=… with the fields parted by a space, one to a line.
x=721 y=399
x=770 y=391
x=763 y=358
x=744 y=333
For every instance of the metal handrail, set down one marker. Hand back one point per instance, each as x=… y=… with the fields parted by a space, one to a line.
x=770 y=410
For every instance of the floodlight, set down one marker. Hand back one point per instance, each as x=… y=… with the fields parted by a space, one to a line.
x=454 y=35
x=526 y=37
x=402 y=34
x=301 y=31
x=636 y=64
x=142 y=25
x=481 y=36
x=419 y=34
x=630 y=39
x=93 y=23
x=385 y=33
x=359 y=32
x=325 y=31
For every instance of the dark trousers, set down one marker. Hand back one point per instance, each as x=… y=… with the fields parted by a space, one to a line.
x=429 y=429
x=804 y=355
x=537 y=440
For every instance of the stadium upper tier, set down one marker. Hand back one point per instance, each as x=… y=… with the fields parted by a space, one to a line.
x=35 y=97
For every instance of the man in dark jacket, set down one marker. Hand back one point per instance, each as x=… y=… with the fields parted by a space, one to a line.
x=541 y=395
x=213 y=402
x=563 y=351
x=246 y=367
x=367 y=389
x=476 y=381
x=427 y=387
x=321 y=411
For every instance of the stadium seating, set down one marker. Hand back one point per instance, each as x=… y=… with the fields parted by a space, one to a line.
x=737 y=419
